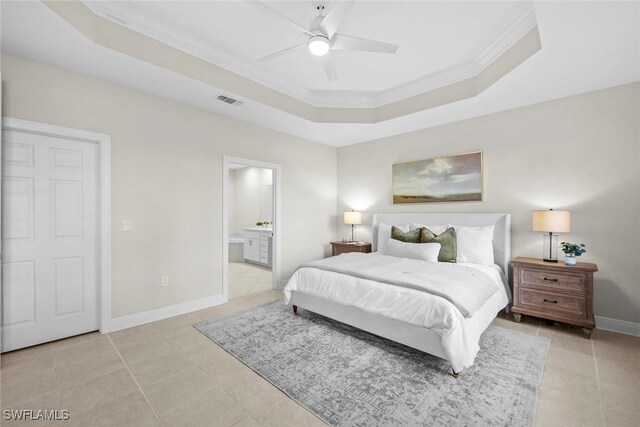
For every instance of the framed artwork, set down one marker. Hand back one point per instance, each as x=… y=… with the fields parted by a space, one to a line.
x=443 y=179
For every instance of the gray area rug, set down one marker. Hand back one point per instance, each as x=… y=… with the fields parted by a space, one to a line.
x=348 y=377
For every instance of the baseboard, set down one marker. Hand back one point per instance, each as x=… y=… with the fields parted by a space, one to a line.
x=137 y=319
x=620 y=326
x=144 y=317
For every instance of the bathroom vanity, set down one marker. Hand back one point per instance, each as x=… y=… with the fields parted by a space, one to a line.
x=257 y=245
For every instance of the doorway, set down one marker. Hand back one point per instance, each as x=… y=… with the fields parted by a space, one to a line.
x=55 y=210
x=251 y=226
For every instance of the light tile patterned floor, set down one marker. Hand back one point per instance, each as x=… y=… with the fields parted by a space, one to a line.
x=167 y=373
x=246 y=278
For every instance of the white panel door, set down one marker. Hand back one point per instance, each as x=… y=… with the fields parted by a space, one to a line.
x=49 y=226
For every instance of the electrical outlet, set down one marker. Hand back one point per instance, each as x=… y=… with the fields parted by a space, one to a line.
x=126 y=225
x=164 y=281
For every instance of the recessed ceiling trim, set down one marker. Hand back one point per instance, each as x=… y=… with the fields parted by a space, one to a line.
x=467 y=88
x=119 y=12
x=485 y=53
x=66 y=45
x=508 y=36
x=514 y=27
x=129 y=42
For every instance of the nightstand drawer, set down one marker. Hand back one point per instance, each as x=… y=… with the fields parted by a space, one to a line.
x=553 y=280
x=552 y=302
x=338 y=248
x=344 y=250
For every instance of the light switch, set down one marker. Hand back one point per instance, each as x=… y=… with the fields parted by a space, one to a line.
x=126 y=225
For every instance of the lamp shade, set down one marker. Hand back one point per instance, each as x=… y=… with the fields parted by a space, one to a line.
x=353 y=218
x=552 y=221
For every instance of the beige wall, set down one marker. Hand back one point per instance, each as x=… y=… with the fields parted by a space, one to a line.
x=167 y=177
x=580 y=153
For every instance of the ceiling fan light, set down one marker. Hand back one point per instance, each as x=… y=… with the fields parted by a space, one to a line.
x=319 y=45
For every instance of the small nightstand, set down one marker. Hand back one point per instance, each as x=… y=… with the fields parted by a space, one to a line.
x=338 y=248
x=554 y=291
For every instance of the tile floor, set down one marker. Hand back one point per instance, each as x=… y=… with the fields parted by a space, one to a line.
x=585 y=382
x=245 y=279
x=167 y=373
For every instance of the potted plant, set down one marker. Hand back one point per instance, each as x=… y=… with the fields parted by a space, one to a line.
x=263 y=224
x=571 y=251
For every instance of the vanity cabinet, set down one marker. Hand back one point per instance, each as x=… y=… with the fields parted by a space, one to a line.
x=257 y=245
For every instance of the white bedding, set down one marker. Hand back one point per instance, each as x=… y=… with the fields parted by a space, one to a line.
x=460 y=335
x=465 y=287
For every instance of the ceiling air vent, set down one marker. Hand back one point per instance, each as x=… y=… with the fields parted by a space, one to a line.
x=229 y=100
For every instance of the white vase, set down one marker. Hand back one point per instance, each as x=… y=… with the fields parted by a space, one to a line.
x=570 y=260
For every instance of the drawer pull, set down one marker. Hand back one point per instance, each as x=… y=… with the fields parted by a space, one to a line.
x=552 y=302
x=550 y=280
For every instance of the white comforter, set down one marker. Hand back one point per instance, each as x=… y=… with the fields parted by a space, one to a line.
x=460 y=335
x=466 y=288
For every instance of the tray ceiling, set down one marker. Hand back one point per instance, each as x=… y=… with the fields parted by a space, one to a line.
x=586 y=46
x=439 y=43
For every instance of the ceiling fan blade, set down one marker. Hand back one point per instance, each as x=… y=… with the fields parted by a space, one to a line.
x=329 y=67
x=292 y=24
x=280 y=52
x=342 y=42
x=332 y=21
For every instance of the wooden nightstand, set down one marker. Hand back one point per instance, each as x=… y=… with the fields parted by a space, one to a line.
x=554 y=291
x=338 y=248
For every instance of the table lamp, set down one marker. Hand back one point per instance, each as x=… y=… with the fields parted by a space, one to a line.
x=551 y=222
x=352 y=218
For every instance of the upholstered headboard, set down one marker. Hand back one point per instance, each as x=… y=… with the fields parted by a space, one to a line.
x=501 y=233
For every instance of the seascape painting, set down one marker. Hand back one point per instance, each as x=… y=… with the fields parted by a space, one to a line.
x=443 y=179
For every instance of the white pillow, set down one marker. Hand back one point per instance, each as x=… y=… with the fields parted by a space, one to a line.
x=422 y=251
x=435 y=229
x=475 y=244
x=384 y=235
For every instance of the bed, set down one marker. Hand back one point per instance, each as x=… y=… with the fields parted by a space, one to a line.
x=429 y=322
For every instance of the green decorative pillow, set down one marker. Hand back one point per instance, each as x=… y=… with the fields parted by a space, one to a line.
x=447 y=240
x=412 y=236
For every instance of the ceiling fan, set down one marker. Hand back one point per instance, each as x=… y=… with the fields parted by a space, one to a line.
x=322 y=37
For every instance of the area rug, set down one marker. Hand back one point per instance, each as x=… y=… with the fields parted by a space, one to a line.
x=348 y=377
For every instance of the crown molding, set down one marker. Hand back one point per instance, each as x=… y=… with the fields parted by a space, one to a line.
x=514 y=29
x=490 y=47
x=123 y=14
